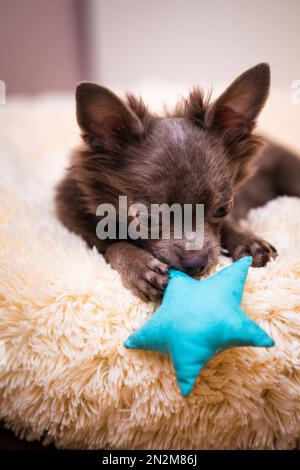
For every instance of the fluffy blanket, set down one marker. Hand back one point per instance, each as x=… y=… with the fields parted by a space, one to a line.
x=65 y=376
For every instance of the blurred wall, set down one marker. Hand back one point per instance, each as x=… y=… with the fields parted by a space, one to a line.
x=40 y=45
x=192 y=41
x=50 y=45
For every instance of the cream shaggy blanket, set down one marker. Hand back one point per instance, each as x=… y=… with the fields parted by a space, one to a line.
x=65 y=376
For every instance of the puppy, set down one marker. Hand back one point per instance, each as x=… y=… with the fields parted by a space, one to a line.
x=202 y=153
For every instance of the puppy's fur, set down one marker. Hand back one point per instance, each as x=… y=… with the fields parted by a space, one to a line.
x=203 y=152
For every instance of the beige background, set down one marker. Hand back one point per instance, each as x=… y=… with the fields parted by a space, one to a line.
x=207 y=41
x=159 y=48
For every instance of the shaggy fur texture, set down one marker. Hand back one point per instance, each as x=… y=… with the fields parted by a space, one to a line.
x=64 y=374
x=67 y=378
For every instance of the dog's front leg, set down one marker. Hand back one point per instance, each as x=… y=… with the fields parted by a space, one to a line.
x=143 y=274
x=241 y=243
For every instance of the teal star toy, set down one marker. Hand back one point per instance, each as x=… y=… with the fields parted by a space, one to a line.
x=199 y=319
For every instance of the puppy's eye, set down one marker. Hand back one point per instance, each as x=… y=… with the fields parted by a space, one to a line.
x=222 y=211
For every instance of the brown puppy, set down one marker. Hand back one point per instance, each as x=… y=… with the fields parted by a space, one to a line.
x=201 y=153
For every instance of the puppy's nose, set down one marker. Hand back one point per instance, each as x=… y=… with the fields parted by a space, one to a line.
x=195 y=263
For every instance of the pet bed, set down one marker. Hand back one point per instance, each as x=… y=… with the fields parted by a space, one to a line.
x=65 y=376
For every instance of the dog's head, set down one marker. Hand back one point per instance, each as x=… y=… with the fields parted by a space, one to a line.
x=199 y=154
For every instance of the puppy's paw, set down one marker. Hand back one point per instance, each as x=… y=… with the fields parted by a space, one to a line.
x=260 y=250
x=143 y=274
x=147 y=277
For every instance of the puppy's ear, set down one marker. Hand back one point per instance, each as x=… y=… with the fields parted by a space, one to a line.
x=106 y=122
x=235 y=111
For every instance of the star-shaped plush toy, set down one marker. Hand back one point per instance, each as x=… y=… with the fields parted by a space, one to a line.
x=199 y=319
